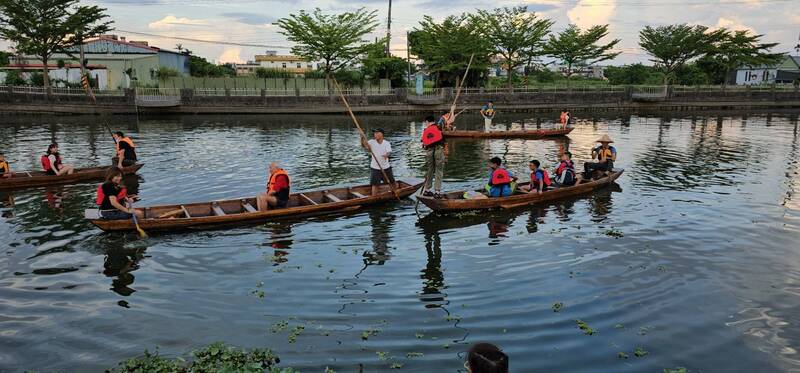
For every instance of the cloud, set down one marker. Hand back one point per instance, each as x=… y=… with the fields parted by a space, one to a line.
x=169 y=21
x=250 y=18
x=588 y=13
x=233 y=55
x=732 y=24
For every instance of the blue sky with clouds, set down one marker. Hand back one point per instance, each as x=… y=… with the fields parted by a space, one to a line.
x=250 y=21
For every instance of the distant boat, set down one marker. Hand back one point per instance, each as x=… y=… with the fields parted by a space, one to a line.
x=214 y=214
x=523 y=134
x=29 y=179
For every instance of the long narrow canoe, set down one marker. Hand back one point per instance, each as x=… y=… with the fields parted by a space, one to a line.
x=523 y=134
x=40 y=178
x=207 y=215
x=455 y=201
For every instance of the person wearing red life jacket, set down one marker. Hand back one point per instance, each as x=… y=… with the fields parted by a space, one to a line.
x=500 y=179
x=565 y=171
x=435 y=153
x=113 y=198
x=278 y=189
x=125 y=150
x=540 y=179
x=51 y=162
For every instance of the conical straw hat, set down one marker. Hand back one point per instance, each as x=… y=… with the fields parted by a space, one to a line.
x=605 y=138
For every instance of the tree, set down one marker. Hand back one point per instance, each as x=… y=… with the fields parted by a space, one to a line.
x=335 y=39
x=516 y=34
x=5 y=58
x=263 y=72
x=377 y=65
x=200 y=67
x=164 y=72
x=735 y=49
x=574 y=46
x=672 y=46
x=631 y=75
x=46 y=27
x=446 y=48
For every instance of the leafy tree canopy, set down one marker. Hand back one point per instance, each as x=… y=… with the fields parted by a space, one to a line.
x=574 y=46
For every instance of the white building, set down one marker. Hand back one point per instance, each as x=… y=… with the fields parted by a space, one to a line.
x=784 y=72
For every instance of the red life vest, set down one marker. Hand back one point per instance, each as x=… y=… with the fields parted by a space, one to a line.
x=46 y=162
x=102 y=197
x=500 y=176
x=274 y=177
x=545 y=177
x=431 y=135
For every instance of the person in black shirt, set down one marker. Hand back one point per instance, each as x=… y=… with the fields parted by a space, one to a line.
x=126 y=151
x=111 y=195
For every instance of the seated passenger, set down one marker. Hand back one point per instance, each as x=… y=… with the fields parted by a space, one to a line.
x=125 y=151
x=486 y=358
x=605 y=155
x=5 y=169
x=113 y=199
x=540 y=180
x=278 y=187
x=500 y=179
x=51 y=162
x=565 y=171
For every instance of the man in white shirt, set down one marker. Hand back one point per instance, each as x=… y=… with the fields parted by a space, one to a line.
x=382 y=149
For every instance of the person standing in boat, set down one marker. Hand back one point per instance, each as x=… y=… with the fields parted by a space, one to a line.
x=540 y=180
x=435 y=153
x=51 y=162
x=382 y=150
x=500 y=179
x=113 y=198
x=5 y=169
x=605 y=155
x=125 y=150
x=488 y=112
x=565 y=171
x=278 y=188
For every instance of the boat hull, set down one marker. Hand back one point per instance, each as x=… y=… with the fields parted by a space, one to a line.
x=455 y=203
x=37 y=178
x=524 y=134
x=202 y=215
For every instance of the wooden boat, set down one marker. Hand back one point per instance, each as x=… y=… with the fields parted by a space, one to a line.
x=30 y=179
x=205 y=215
x=523 y=134
x=455 y=201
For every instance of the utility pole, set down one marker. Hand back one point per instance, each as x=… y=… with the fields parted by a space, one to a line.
x=408 y=58
x=389 y=31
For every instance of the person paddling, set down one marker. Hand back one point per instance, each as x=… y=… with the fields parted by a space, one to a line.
x=125 y=150
x=278 y=188
x=540 y=180
x=605 y=155
x=5 y=169
x=51 y=162
x=113 y=198
x=382 y=150
x=500 y=179
x=435 y=152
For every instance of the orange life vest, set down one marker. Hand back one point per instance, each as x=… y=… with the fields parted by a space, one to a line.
x=500 y=176
x=563 y=117
x=4 y=167
x=274 y=177
x=125 y=139
x=102 y=196
x=545 y=177
x=46 y=162
x=431 y=135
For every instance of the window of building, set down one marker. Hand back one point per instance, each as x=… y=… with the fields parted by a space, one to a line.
x=284 y=65
x=310 y=66
x=299 y=65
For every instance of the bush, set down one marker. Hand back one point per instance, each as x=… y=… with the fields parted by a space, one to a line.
x=164 y=72
x=263 y=72
x=13 y=78
x=216 y=357
x=635 y=74
x=36 y=79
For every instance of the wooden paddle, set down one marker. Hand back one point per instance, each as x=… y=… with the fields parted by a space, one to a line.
x=364 y=137
x=139 y=229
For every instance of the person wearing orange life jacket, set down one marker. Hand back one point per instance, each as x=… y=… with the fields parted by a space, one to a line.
x=540 y=179
x=125 y=150
x=5 y=169
x=435 y=152
x=278 y=188
x=500 y=179
x=113 y=198
x=605 y=154
x=51 y=162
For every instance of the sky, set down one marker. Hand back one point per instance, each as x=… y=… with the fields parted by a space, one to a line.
x=250 y=22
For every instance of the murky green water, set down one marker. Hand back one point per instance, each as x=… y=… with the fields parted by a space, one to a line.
x=693 y=257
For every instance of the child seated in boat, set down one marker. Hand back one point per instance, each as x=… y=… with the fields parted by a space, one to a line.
x=5 y=169
x=500 y=179
x=540 y=180
x=565 y=171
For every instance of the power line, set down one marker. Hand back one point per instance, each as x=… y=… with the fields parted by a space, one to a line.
x=204 y=41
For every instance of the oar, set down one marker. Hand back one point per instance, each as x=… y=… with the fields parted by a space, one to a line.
x=109 y=132
x=364 y=137
x=139 y=229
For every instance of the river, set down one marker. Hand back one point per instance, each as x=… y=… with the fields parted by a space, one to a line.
x=692 y=259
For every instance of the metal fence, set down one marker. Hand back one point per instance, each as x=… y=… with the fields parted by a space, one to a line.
x=59 y=91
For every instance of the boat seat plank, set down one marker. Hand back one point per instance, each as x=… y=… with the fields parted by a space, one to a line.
x=357 y=194
x=332 y=197
x=217 y=210
x=248 y=207
x=307 y=199
x=185 y=211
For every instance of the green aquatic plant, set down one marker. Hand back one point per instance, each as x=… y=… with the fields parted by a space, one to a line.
x=369 y=333
x=616 y=233
x=557 y=306
x=383 y=355
x=675 y=370
x=412 y=355
x=395 y=366
x=216 y=357
x=419 y=335
x=296 y=331
x=640 y=352
x=584 y=327
x=279 y=326
x=622 y=355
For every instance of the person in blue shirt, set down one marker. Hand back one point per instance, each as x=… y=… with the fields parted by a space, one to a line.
x=500 y=179
x=605 y=154
x=488 y=110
